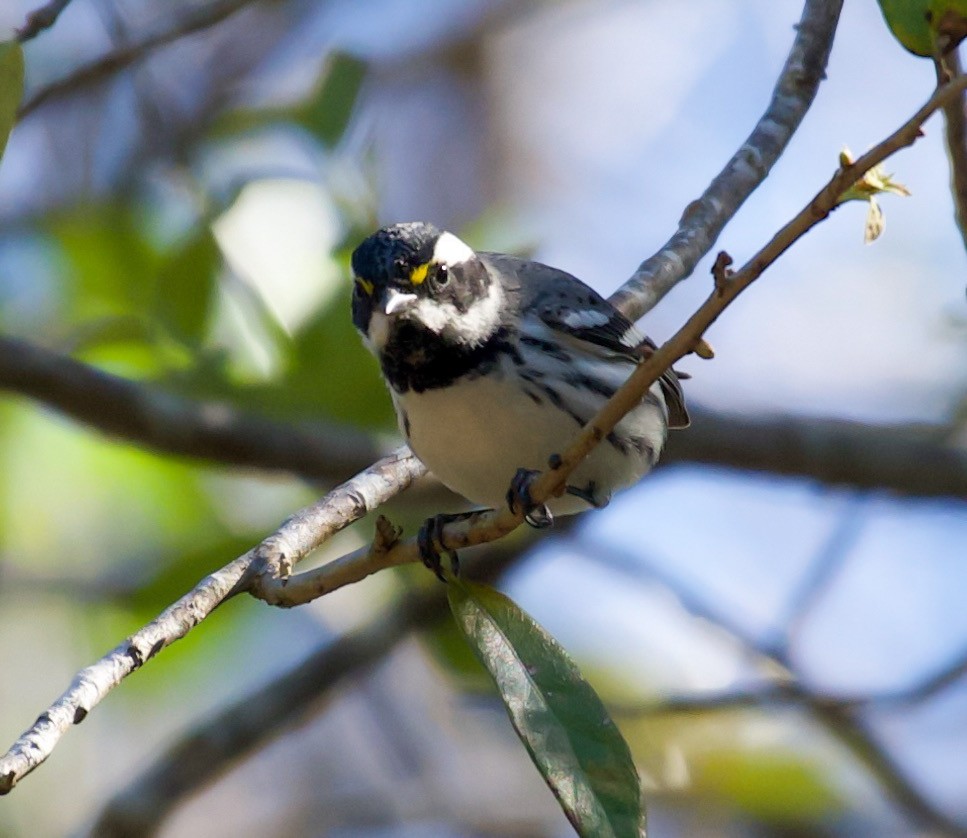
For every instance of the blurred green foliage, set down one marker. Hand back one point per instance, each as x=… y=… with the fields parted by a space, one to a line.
x=11 y=87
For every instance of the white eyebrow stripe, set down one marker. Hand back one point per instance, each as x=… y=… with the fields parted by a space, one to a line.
x=449 y=250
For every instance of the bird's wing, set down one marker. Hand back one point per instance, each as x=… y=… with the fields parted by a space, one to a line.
x=575 y=310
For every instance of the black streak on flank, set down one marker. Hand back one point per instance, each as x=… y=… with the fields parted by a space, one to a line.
x=558 y=402
x=547 y=347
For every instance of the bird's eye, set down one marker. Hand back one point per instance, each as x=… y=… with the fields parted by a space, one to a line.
x=442 y=276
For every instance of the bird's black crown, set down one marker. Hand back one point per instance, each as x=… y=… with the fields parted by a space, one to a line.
x=392 y=252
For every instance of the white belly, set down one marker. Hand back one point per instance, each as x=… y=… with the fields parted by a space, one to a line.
x=475 y=434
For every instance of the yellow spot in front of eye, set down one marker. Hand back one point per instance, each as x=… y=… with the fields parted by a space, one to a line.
x=418 y=274
x=366 y=285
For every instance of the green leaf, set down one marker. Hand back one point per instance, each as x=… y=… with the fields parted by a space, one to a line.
x=908 y=22
x=328 y=111
x=11 y=87
x=333 y=373
x=948 y=24
x=186 y=287
x=926 y=27
x=558 y=716
x=325 y=113
x=111 y=265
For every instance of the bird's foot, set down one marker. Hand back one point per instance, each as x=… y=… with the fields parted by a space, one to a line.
x=429 y=541
x=519 y=500
x=589 y=494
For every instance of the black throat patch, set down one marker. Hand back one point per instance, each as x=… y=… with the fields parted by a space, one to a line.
x=416 y=359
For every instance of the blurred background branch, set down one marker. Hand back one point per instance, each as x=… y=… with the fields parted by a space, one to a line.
x=194 y=20
x=40 y=19
x=912 y=460
x=177 y=282
x=955 y=123
x=705 y=218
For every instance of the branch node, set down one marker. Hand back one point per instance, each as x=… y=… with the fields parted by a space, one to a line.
x=703 y=349
x=387 y=535
x=721 y=273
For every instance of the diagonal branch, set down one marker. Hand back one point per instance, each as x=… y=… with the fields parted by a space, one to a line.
x=490 y=525
x=196 y=20
x=40 y=19
x=266 y=566
x=704 y=218
x=249 y=723
x=298 y=536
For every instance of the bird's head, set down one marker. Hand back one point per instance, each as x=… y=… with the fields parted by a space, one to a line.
x=413 y=274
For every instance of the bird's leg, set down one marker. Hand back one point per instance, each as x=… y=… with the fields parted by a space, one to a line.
x=589 y=494
x=519 y=500
x=429 y=541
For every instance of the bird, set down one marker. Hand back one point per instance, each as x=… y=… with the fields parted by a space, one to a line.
x=494 y=363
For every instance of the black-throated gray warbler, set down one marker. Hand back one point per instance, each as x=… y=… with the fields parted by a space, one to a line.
x=494 y=363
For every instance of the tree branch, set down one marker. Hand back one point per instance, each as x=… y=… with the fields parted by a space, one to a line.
x=840 y=715
x=704 y=218
x=195 y=20
x=309 y=528
x=173 y=425
x=490 y=525
x=40 y=19
x=955 y=121
x=907 y=460
x=299 y=535
x=903 y=459
x=215 y=744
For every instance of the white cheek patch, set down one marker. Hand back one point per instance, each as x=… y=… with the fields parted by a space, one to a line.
x=483 y=317
x=585 y=318
x=449 y=250
x=472 y=327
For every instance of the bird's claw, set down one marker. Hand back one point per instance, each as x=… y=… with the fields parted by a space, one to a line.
x=519 y=500
x=429 y=541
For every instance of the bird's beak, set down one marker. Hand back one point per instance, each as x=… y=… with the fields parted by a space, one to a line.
x=393 y=301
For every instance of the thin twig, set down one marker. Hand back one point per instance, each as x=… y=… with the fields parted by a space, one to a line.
x=217 y=742
x=704 y=218
x=825 y=565
x=40 y=19
x=300 y=534
x=308 y=529
x=955 y=120
x=99 y=69
x=492 y=524
x=253 y=720
x=840 y=715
